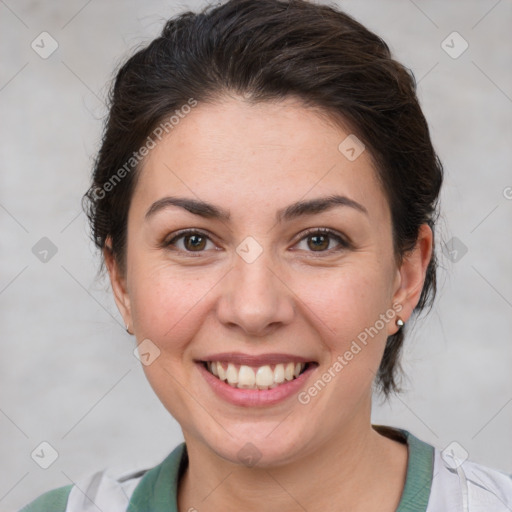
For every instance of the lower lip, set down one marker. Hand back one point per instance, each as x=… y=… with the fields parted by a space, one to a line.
x=255 y=397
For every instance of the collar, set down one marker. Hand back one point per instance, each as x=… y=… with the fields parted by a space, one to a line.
x=158 y=489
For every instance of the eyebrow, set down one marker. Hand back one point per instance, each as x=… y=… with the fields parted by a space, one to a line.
x=293 y=211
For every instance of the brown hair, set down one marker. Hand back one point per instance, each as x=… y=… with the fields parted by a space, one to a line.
x=270 y=50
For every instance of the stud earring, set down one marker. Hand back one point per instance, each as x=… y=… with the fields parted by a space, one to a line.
x=399 y=322
x=128 y=330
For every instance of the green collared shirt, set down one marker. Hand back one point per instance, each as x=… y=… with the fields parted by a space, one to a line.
x=157 y=488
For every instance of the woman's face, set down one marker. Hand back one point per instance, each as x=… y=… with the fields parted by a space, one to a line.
x=254 y=283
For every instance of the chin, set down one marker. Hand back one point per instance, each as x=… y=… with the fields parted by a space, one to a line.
x=257 y=445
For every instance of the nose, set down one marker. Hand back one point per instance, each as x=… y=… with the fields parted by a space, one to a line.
x=255 y=297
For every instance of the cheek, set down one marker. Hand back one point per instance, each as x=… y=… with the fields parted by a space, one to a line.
x=345 y=307
x=348 y=306
x=168 y=308
x=347 y=301
x=166 y=303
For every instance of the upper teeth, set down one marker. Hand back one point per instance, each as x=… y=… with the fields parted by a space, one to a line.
x=263 y=377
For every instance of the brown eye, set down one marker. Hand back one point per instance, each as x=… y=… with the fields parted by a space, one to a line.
x=194 y=242
x=320 y=240
x=189 y=241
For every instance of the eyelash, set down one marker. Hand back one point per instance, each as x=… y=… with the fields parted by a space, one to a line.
x=308 y=233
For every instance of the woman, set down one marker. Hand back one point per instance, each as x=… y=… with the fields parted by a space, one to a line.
x=265 y=201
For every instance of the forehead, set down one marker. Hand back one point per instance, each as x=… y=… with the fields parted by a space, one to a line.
x=266 y=154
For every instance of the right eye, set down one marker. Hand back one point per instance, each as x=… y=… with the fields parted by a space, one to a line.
x=191 y=240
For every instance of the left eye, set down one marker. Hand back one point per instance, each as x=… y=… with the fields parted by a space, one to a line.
x=319 y=240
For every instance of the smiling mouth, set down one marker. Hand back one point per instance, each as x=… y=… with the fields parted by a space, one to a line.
x=260 y=377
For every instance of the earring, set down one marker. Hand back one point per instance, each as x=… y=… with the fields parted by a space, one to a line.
x=128 y=330
x=399 y=322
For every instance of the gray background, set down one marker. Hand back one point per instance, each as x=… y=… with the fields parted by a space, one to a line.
x=68 y=374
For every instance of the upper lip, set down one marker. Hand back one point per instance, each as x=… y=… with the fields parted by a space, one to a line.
x=259 y=360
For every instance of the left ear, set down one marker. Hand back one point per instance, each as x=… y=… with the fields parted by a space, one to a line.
x=412 y=272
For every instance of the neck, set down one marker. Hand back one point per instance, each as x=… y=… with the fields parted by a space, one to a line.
x=358 y=470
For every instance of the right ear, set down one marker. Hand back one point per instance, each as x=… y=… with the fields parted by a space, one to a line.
x=118 y=283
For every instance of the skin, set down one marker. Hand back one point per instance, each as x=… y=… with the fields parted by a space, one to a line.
x=254 y=160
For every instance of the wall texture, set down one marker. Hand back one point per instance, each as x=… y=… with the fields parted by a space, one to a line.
x=68 y=374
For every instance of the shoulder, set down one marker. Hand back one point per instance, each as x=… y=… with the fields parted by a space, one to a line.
x=99 y=489
x=447 y=481
x=460 y=484
x=112 y=491
x=54 y=500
